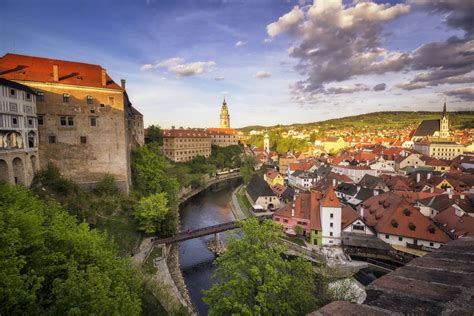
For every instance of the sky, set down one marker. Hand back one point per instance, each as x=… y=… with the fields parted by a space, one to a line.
x=274 y=61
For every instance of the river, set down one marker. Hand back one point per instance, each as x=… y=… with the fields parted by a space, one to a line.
x=209 y=207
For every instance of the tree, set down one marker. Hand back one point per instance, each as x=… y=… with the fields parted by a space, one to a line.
x=155 y=134
x=254 y=278
x=152 y=213
x=51 y=265
x=247 y=169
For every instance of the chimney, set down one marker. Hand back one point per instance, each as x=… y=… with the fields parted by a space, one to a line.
x=362 y=211
x=462 y=196
x=376 y=192
x=418 y=177
x=432 y=190
x=55 y=73
x=450 y=195
x=104 y=78
x=334 y=182
x=293 y=210
x=428 y=176
x=358 y=188
x=122 y=83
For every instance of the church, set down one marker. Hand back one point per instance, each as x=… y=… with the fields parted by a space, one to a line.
x=224 y=135
x=433 y=128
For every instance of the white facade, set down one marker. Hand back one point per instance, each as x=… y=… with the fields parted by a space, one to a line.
x=18 y=133
x=358 y=227
x=403 y=241
x=331 y=225
x=356 y=174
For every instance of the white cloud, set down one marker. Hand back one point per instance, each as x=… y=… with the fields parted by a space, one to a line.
x=180 y=68
x=219 y=78
x=240 y=44
x=285 y=22
x=262 y=74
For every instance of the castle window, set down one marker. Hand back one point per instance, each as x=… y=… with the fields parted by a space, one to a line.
x=330 y=234
x=93 y=121
x=83 y=139
x=15 y=121
x=62 y=121
x=66 y=98
x=66 y=121
x=40 y=119
x=52 y=139
x=331 y=225
x=28 y=96
x=13 y=93
x=89 y=99
x=70 y=121
x=30 y=122
x=111 y=100
x=332 y=215
x=39 y=96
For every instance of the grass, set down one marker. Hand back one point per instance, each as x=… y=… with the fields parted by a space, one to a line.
x=148 y=265
x=122 y=231
x=243 y=201
x=294 y=240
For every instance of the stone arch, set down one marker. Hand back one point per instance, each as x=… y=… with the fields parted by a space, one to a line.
x=18 y=171
x=4 y=176
x=34 y=163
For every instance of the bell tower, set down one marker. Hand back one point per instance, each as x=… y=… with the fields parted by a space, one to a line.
x=266 y=143
x=225 y=117
x=444 y=124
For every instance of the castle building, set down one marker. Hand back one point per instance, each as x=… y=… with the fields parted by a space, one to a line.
x=433 y=128
x=180 y=145
x=18 y=133
x=225 y=117
x=82 y=117
x=224 y=135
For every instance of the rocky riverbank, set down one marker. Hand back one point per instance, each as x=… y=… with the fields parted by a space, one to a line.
x=172 y=261
x=217 y=246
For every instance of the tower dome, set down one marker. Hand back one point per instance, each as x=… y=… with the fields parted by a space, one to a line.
x=224 y=117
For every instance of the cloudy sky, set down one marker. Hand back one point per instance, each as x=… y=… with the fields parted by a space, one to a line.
x=275 y=61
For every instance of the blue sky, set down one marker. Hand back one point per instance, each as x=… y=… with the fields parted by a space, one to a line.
x=180 y=58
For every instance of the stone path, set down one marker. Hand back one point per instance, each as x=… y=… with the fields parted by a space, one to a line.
x=235 y=206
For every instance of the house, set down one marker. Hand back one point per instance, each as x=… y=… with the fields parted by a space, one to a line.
x=432 y=206
x=185 y=144
x=285 y=193
x=398 y=223
x=259 y=193
x=356 y=173
x=439 y=149
x=334 y=144
x=273 y=177
x=456 y=222
x=351 y=222
x=410 y=160
x=302 y=179
x=288 y=158
x=354 y=194
x=318 y=214
x=373 y=183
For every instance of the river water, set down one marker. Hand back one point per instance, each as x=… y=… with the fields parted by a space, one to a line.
x=209 y=207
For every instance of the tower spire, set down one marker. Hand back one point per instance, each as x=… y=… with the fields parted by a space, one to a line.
x=444 y=108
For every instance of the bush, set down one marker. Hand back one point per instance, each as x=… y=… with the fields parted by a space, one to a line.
x=106 y=186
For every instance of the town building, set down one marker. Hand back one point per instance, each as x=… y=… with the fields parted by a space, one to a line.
x=180 y=144
x=224 y=135
x=225 y=117
x=447 y=150
x=81 y=115
x=18 y=133
x=261 y=195
x=433 y=128
x=334 y=144
x=286 y=159
x=273 y=177
x=319 y=215
x=398 y=223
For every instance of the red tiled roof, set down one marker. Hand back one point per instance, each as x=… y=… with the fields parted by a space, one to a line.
x=460 y=226
x=301 y=165
x=306 y=207
x=185 y=133
x=221 y=131
x=330 y=198
x=390 y=214
x=38 y=69
x=272 y=174
x=348 y=216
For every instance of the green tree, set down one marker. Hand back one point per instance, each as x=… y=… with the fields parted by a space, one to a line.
x=51 y=265
x=253 y=277
x=106 y=186
x=152 y=213
x=247 y=169
x=155 y=134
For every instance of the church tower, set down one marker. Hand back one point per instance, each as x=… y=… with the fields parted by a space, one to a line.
x=266 y=143
x=225 y=117
x=444 y=124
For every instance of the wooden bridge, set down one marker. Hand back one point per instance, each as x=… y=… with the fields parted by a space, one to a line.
x=196 y=233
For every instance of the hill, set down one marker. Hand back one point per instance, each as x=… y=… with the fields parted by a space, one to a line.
x=376 y=120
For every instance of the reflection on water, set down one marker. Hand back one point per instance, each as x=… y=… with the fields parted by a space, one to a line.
x=206 y=209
